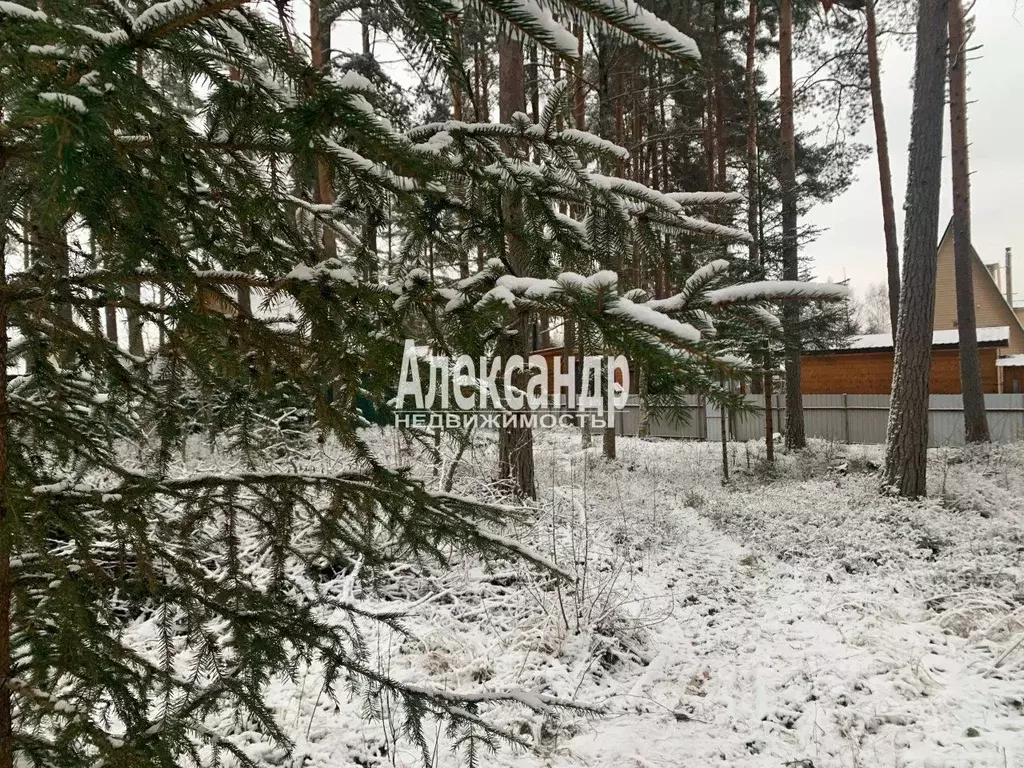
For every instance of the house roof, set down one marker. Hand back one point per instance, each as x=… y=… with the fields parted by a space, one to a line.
x=1011 y=361
x=1012 y=316
x=987 y=337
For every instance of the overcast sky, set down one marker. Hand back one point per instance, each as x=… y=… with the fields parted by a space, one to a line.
x=854 y=246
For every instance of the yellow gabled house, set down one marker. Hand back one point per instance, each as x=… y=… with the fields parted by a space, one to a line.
x=993 y=307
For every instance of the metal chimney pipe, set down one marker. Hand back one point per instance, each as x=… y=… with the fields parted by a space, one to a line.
x=1009 y=277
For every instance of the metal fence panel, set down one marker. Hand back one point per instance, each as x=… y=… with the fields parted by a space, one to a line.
x=843 y=418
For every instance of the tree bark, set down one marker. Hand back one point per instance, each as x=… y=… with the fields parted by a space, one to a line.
x=133 y=290
x=244 y=291
x=769 y=414
x=795 y=437
x=975 y=422
x=753 y=210
x=751 y=92
x=579 y=106
x=892 y=248
x=612 y=126
x=319 y=46
x=6 y=572
x=906 y=455
x=515 y=443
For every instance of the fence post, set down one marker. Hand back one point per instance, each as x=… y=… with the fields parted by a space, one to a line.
x=846 y=418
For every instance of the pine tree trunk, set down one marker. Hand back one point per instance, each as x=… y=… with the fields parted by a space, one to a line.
x=892 y=248
x=133 y=293
x=515 y=443
x=753 y=210
x=6 y=572
x=579 y=105
x=975 y=423
x=769 y=414
x=750 y=86
x=611 y=111
x=643 y=424
x=795 y=437
x=723 y=414
x=319 y=48
x=457 y=114
x=244 y=291
x=906 y=454
x=579 y=122
x=110 y=320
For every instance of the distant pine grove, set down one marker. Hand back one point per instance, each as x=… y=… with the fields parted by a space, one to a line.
x=220 y=227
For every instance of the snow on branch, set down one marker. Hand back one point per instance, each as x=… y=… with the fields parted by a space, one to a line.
x=583 y=139
x=711 y=228
x=538 y=24
x=777 y=290
x=65 y=100
x=694 y=283
x=765 y=317
x=705 y=198
x=539 y=702
x=17 y=11
x=641 y=25
x=644 y=315
x=164 y=12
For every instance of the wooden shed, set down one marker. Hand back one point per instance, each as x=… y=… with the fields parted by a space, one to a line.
x=865 y=367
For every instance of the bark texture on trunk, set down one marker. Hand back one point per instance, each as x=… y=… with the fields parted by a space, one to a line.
x=244 y=291
x=136 y=345
x=769 y=414
x=750 y=87
x=753 y=210
x=319 y=46
x=6 y=572
x=515 y=444
x=795 y=437
x=892 y=248
x=579 y=111
x=975 y=422
x=906 y=451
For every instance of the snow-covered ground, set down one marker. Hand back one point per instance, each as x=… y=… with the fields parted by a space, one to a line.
x=795 y=619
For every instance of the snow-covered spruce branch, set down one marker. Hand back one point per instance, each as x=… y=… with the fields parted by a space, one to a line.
x=537 y=23
x=397 y=489
x=631 y=22
x=31 y=285
x=777 y=290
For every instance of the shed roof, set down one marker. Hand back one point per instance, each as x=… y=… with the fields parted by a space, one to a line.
x=997 y=336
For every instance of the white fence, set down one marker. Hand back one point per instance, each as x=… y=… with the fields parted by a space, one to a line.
x=843 y=418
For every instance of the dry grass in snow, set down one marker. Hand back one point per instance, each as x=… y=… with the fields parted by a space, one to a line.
x=793 y=618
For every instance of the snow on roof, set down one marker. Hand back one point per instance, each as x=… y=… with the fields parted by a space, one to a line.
x=1012 y=361
x=992 y=335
